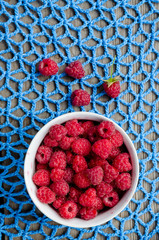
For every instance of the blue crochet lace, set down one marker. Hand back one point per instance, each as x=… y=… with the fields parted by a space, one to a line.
x=32 y=30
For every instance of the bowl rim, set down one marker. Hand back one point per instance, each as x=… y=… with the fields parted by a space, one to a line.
x=45 y=208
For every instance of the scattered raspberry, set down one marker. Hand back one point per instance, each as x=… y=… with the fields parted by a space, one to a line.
x=88 y=213
x=58 y=160
x=106 y=129
x=48 y=67
x=95 y=175
x=79 y=163
x=102 y=148
x=112 y=90
x=116 y=139
x=99 y=206
x=93 y=134
x=57 y=174
x=103 y=189
x=73 y=128
x=41 y=178
x=48 y=141
x=45 y=195
x=123 y=181
x=88 y=199
x=111 y=199
x=69 y=157
x=110 y=173
x=114 y=152
x=97 y=161
x=75 y=194
x=80 y=98
x=121 y=162
x=41 y=166
x=86 y=126
x=61 y=188
x=75 y=70
x=57 y=132
x=68 y=210
x=65 y=142
x=69 y=173
x=43 y=154
x=58 y=202
x=81 y=146
x=81 y=180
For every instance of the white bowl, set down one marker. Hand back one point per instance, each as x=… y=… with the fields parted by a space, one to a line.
x=29 y=169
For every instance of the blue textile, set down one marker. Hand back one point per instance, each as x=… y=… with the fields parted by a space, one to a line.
x=27 y=35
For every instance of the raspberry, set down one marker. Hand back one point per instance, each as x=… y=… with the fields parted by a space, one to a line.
x=81 y=146
x=57 y=132
x=45 y=195
x=121 y=162
x=61 y=188
x=99 y=205
x=41 y=166
x=97 y=161
x=123 y=181
x=110 y=173
x=69 y=157
x=103 y=189
x=74 y=194
x=41 y=177
x=102 y=148
x=75 y=70
x=66 y=142
x=93 y=134
x=48 y=67
x=58 y=202
x=58 y=160
x=91 y=192
x=48 y=141
x=43 y=154
x=88 y=213
x=114 y=152
x=111 y=199
x=88 y=199
x=80 y=179
x=73 y=128
x=106 y=129
x=79 y=163
x=69 y=173
x=95 y=175
x=116 y=139
x=68 y=210
x=57 y=174
x=86 y=126
x=80 y=98
x=113 y=90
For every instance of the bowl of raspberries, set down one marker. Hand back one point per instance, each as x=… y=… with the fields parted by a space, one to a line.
x=81 y=169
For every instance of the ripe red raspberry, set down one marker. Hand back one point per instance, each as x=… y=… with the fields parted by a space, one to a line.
x=122 y=163
x=93 y=134
x=88 y=199
x=45 y=195
x=58 y=160
x=114 y=152
x=87 y=213
x=116 y=139
x=79 y=163
x=80 y=179
x=68 y=210
x=91 y=192
x=57 y=132
x=97 y=161
x=110 y=173
x=65 y=142
x=58 y=202
x=73 y=128
x=48 y=67
x=112 y=90
x=106 y=129
x=81 y=146
x=102 y=148
x=57 y=174
x=75 y=70
x=74 y=194
x=48 y=141
x=95 y=175
x=69 y=173
x=61 y=188
x=111 y=199
x=123 y=181
x=103 y=189
x=41 y=177
x=69 y=157
x=99 y=205
x=41 y=166
x=43 y=154
x=80 y=98
x=86 y=126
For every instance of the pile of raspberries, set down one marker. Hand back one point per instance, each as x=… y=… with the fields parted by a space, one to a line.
x=82 y=168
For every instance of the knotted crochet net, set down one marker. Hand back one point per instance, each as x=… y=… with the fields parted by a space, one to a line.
x=92 y=31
